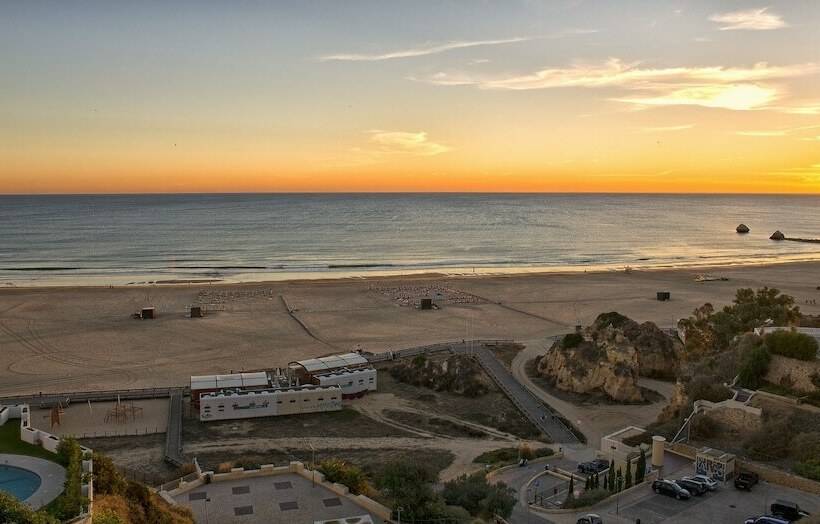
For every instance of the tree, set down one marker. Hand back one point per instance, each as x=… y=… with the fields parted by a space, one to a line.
x=336 y=470
x=753 y=366
x=107 y=478
x=640 y=471
x=611 y=476
x=570 y=492
x=791 y=344
x=410 y=486
x=587 y=483
x=620 y=480
x=479 y=497
x=628 y=479
x=12 y=510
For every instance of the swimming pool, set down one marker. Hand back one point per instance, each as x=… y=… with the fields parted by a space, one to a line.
x=21 y=483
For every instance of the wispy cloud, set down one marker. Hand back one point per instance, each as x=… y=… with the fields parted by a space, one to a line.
x=666 y=129
x=759 y=19
x=778 y=132
x=404 y=142
x=715 y=86
x=429 y=49
x=436 y=48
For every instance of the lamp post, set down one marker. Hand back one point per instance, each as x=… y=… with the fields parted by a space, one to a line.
x=398 y=510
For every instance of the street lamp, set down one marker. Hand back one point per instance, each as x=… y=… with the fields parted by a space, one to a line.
x=398 y=510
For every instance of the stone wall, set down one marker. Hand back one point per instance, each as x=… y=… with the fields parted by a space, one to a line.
x=793 y=374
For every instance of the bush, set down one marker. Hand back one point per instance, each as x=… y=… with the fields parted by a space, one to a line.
x=705 y=388
x=588 y=498
x=336 y=470
x=753 y=366
x=106 y=516
x=12 y=510
x=479 y=497
x=704 y=427
x=791 y=344
x=806 y=446
x=510 y=455
x=572 y=340
x=71 y=502
x=808 y=468
x=409 y=484
x=107 y=478
x=772 y=442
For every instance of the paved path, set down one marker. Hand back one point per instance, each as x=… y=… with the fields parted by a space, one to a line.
x=52 y=477
x=173 y=435
x=539 y=413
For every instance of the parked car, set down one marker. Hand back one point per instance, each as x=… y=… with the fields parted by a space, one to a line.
x=787 y=510
x=710 y=483
x=590 y=518
x=595 y=466
x=745 y=480
x=695 y=488
x=766 y=519
x=669 y=488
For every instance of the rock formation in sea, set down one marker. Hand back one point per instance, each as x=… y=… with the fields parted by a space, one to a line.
x=777 y=235
x=742 y=228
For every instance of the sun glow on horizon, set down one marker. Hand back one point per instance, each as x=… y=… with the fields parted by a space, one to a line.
x=334 y=98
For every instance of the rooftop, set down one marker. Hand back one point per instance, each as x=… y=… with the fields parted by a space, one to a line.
x=332 y=362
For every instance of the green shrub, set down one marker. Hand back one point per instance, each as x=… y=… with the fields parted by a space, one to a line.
x=588 y=498
x=107 y=478
x=753 y=366
x=71 y=502
x=704 y=427
x=106 y=516
x=12 y=510
x=806 y=446
x=336 y=470
x=772 y=442
x=808 y=468
x=791 y=344
x=571 y=340
x=480 y=498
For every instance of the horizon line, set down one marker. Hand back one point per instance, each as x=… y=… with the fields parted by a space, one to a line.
x=204 y=193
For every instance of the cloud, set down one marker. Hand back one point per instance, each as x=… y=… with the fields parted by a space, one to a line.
x=738 y=97
x=714 y=86
x=434 y=49
x=403 y=142
x=759 y=19
x=778 y=132
x=811 y=109
x=431 y=49
x=664 y=129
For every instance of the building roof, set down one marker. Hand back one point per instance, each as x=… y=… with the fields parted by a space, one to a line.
x=235 y=380
x=317 y=365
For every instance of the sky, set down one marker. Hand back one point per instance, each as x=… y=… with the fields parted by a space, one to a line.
x=485 y=96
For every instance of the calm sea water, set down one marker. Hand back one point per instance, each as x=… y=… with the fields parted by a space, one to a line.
x=142 y=238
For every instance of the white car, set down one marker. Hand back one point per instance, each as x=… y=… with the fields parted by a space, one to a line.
x=709 y=482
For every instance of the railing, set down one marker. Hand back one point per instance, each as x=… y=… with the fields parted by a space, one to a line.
x=94 y=396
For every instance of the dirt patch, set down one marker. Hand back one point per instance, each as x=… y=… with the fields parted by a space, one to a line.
x=345 y=423
x=434 y=424
x=492 y=409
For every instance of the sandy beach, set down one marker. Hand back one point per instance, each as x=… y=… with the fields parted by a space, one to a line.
x=84 y=338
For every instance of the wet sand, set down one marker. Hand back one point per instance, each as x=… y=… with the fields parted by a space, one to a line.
x=84 y=338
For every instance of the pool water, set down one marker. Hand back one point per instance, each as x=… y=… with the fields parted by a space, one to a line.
x=21 y=483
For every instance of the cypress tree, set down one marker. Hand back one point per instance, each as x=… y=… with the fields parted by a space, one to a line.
x=570 y=493
x=620 y=480
x=628 y=480
x=587 y=483
x=641 y=469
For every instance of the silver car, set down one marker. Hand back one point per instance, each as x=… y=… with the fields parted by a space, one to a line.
x=710 y=483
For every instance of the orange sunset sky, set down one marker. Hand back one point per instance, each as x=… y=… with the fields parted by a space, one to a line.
x=653 y=96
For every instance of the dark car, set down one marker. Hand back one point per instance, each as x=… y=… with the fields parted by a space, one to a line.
x=669 y=488
x=745 y=480
x=595 y=466
x=787 y=510
x=695 y=488
x=766 y=519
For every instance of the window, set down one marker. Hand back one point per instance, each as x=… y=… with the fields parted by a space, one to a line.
x=293 y=401
x=321 y=398
x=332 y=398
x=278 y=401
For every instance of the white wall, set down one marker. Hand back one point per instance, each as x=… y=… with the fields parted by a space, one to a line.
x=269 y=403
x=352 y=382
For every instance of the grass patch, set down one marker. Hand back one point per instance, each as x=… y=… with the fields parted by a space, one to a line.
x=10 y=443
x=509 y=455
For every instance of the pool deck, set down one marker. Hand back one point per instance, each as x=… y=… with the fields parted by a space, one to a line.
x=51 y=474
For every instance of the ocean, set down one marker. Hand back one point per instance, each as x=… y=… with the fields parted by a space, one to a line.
x=130 y=239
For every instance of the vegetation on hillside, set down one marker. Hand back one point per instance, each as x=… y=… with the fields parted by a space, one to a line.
x=12 y=510
x=350 y=475
x=458 y=374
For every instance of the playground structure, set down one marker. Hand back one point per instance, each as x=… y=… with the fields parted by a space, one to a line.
x=122 y=412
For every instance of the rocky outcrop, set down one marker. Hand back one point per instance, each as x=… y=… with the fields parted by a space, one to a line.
x=606 y=364
x=797 y=375
x=742 y=228
x=678 y=404
x=658 y=353
x=777 y=235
